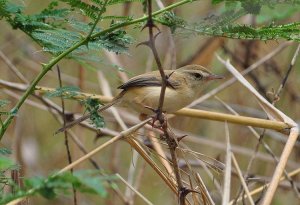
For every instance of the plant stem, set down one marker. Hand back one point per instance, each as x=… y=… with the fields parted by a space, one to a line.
x=170 y=138
x=55 y=60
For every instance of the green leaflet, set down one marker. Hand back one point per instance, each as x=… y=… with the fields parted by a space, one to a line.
x=55 y=30
x=65 y=92
x=92 y=105
x=85 y=181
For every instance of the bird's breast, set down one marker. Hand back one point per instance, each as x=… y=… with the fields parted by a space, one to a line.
x=139 y=98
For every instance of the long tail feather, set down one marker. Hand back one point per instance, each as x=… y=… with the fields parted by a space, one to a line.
x=87 y=116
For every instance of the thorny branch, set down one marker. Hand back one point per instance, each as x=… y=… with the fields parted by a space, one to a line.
x=169 y=137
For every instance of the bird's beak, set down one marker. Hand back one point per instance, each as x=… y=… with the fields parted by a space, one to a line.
x=213 y=77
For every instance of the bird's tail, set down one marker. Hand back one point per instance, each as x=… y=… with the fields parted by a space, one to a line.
x=85 y=117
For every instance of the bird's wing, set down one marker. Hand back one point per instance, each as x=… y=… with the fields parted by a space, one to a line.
x=147 y=79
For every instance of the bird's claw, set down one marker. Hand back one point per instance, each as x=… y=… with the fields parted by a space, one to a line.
x=158 y=116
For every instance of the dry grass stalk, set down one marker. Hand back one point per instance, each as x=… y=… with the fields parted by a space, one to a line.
x=148 y=159
x=266 y=147
x=162 y=156
x=134 y=190
x=245 y=72
x=249 y=121
x=255 y=122
x=260 y=189
x=239 y=172
x=227 y=173
x=123 y=134
x=204 y=189
x=275 y=115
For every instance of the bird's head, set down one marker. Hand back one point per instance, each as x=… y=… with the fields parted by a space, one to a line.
x=196 y=75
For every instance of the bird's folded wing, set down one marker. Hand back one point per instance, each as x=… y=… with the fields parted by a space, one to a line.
x=146 y=80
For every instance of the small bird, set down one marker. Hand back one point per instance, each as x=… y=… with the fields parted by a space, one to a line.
x=142 y=92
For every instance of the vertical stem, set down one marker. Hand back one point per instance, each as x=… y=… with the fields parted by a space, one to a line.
x=171 y=139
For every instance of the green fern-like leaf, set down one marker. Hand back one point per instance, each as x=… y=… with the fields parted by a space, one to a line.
x=171 y=20
x=272 y=32
x=3 y=9
x=87 y=9
x=224 y=25
x=5 y=151
x=65 y=92
x=87 y=181
x=92 y=105
x=56 y=41
x=112 y=2
x=277 y=13
x=3 y=103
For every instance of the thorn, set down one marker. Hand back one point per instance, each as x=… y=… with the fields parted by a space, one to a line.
x=183 y=192
x=167 y=80
x=145 y=43
x=99 y=135
x=152 y=109
x=155 y=36
x=150 y=24
x=44 y=65
x=180 y=138
x=168 y=76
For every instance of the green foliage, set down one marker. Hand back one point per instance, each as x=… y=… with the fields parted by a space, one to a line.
x=92 y=8
x=4 y=151
x=5 y=162
x=64 y=92
x=87 y=181
x=171 y=20
x=86 y=9
x=224 y=25
x=3 y=103
x=277 y=13
x=56 y=30
x=287 y=31
x=92 y=105
x=6 y=165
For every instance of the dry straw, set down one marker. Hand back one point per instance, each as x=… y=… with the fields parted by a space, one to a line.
x=277 y=116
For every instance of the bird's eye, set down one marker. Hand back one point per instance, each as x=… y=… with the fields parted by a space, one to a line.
x=198 y=76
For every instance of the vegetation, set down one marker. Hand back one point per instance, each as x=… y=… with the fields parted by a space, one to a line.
x=100 y=40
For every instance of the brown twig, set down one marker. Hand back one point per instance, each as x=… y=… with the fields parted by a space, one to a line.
x=13 y=68
x=261 y=188
x=66 y=134
x=284 y=80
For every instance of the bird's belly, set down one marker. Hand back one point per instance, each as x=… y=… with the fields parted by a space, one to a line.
x=139 y=98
